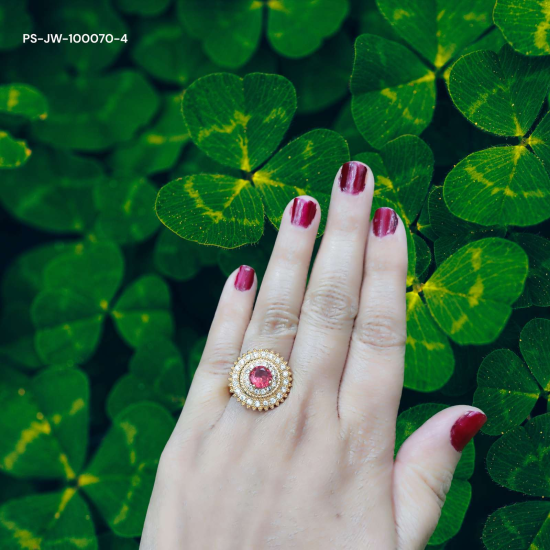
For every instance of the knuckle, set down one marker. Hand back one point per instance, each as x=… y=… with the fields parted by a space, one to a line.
x=219 y=359
x=379 y=330
x=278 y=320
x=330 y=305
x=386 y=263
x=438 y=482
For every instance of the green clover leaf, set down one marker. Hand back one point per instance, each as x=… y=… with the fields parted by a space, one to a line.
x=520 y=459
x=143 y=310
x=69 y=313
x=439 y=29
x=525 y=24
x=322 y=78
x=23 y=100
x=93 y=113
x=78 y=17
x=537 y=286
x=240 y=123
x=429 y=359
x=48 y=520
x=393 y=89
x=125 y=209
x=157 y=373
x=508 y=389
x=497 y=104
x=179 y=259
x=522 y=526
x=53 y=191
x=460 y=492
x=13 y=152
x=119 y=479
x=44 y=423
x=471 y=293
x=157 y=148
x=230 y=32
x=451 y=232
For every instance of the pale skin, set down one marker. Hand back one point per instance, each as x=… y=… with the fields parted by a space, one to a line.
x=319 y=470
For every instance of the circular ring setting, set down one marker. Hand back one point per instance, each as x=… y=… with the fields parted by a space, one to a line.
x=260 y=379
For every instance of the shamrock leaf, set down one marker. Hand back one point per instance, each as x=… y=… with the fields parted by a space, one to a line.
x=179 y=259
x=471 y=293
x=53 y=191
x=120 y=477
x=393 y=91
x=143 y=310
x=429 y=360
x=452 y=232
x=23 y=100
x=537 y=285
x=157 y=373
x=169 y=54
x=440 y=29
x=13 y=152
x=125 y=209
x=112 y=542
x=504 y=185
x=239 y=123
x=506 y=391
x=423 y=256
x=49 y=520
x=525 y=24
x=15 y=21
x=245 y=129
x=522 y=526
x=403 y=169
x=230 y=33
x=69 y=313
x=44 y=422
x=95 y=112
x=520 y=459
x=459 y=495
x=87 y=17
x=17 y=335
x=157 y=148
x=508 y=93
x=322 y=78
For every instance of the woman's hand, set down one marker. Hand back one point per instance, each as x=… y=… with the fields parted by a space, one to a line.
x=319 y=470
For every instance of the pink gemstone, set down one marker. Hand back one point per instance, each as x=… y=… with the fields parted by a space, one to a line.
x=260 y=377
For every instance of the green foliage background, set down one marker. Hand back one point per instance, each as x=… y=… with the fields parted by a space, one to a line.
x=136 y=175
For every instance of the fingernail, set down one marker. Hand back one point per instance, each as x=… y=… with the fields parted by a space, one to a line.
x=465 y=428
x=245 y=278
x=303 y=211
x=384 y=222
x=353 y=177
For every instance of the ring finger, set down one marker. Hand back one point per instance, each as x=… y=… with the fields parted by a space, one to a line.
x=275 y=319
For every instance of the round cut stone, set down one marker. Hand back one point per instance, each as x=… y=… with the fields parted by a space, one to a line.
x=260 y=377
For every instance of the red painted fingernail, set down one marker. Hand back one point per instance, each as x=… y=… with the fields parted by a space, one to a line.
x=303 y=211
x=245 y=278
x=465 y=428
x=384 y=222
x=353 y=177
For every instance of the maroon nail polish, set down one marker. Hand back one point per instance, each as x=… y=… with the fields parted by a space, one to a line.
x=302 y=212
x=465 y=428
x=245 y=278
x=353 y=177
x=384 y=222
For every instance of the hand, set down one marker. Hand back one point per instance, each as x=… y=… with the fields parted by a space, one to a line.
x=318 y=471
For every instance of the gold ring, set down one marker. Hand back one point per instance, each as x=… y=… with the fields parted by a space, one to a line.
x=260 y=379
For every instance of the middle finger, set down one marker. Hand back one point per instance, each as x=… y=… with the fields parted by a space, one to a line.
x=332 y=297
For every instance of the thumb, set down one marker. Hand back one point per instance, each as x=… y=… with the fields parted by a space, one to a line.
x=423 y=471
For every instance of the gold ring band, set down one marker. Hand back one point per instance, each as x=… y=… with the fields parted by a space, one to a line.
x=260 y=379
